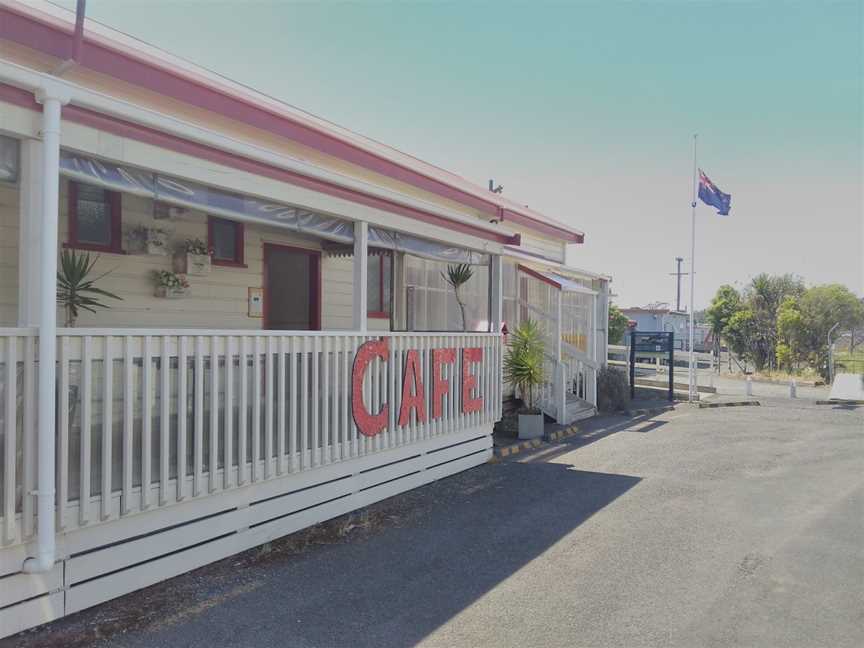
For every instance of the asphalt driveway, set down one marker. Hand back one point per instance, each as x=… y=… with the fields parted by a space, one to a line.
x=713 y=527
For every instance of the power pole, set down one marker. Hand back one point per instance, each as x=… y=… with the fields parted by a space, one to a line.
x=679 y=274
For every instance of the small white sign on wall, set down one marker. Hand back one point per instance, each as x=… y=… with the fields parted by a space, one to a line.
x=256 y=302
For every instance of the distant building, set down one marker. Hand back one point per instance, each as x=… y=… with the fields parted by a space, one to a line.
x=660 y=317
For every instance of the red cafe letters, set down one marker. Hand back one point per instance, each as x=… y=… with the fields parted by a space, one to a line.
x=413 y=388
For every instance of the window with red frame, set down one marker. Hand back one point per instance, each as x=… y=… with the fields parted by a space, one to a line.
x=380 y=270
x=94 y=218
x=225 y=240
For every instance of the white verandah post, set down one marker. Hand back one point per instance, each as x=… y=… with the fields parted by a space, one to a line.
x=361 y=271
x=560 y=371
x=595 y=348
x=496 y=297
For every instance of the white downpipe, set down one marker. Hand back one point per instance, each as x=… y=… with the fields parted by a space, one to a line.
x=361 y=273
x=52 y=102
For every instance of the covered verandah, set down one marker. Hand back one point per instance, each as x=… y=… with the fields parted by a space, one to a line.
x=130 y=453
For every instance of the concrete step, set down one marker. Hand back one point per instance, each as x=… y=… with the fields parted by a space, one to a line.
x=847 y=387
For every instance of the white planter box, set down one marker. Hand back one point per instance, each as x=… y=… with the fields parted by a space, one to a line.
x=171 y=293
x=156 y=247
x=531 y=426
x=198 y=265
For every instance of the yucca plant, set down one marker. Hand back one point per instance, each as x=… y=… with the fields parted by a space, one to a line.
x=75 y=288
x=523 y=364
x=457 y=276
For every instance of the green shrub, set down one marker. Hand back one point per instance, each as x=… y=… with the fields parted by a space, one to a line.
x=613 y=390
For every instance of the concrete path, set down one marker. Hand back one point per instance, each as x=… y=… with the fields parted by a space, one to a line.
x=715 y=527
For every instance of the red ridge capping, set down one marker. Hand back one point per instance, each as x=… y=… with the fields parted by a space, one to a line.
x=51 y=39
x=539 y=276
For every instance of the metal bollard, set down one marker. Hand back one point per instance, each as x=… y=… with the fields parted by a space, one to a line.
x=748 y=389
x=793 y=389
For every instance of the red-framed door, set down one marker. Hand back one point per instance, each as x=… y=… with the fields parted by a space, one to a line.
x=292 y=288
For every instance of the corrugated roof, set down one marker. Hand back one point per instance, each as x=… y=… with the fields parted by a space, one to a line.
x=128 y=45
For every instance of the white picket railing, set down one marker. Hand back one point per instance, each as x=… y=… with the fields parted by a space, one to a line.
x=146 y=418
x=576 y=376
x=17 y=432
x=582 y=377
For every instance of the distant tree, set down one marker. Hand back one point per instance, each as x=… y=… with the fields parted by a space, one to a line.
x=792 y=347
x=779 y=322
x=725 y=304
x=821 y=307
x=764 y=296
x=617 y=325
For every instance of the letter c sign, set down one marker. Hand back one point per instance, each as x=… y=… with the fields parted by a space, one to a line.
x=369 y=424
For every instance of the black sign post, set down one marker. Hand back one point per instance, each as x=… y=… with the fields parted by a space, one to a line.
x=653 y=343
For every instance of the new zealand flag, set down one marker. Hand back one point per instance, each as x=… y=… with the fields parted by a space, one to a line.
x=711 y=195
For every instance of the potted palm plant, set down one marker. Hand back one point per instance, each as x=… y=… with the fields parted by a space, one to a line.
x=523 y=368
x=457 y=276
x=75 y=288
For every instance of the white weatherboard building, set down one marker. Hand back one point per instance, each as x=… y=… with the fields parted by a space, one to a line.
x=317 y=361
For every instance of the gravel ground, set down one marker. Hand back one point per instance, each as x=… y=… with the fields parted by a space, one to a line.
x=713 y=527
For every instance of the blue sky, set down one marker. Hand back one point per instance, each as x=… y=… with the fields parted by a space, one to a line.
x=584 y=110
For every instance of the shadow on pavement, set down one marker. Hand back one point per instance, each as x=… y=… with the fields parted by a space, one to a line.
x=447 y=545
x=593 y=430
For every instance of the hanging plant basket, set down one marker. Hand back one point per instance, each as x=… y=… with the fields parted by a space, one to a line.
x=156 y=248
x=147 y=240
x=170 y=285
x=198 y=265
x=193 y=258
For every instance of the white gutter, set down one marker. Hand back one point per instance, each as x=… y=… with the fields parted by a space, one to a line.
x=514 y=253
x=52 y=99
x=25 y=78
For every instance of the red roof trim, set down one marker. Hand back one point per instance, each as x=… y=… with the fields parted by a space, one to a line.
x=541 y=277
x=545 y=228
x=18 y=97
x=52 y=40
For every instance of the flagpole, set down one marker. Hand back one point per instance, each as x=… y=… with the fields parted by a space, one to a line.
x=692 y=392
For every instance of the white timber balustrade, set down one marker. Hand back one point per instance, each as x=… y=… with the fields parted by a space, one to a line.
x=18 y=354
x=150 y=418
